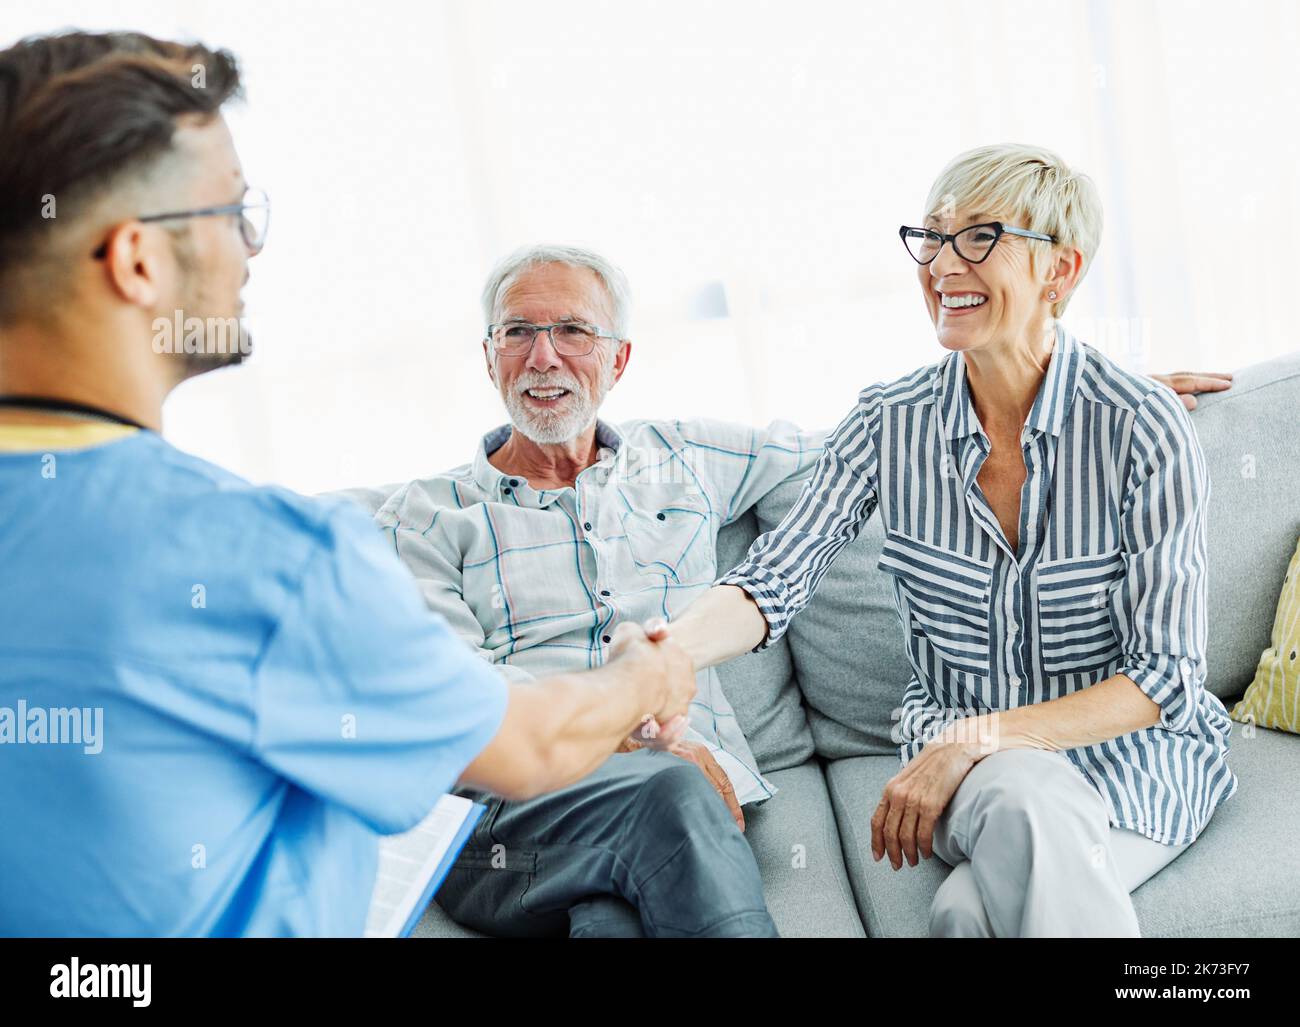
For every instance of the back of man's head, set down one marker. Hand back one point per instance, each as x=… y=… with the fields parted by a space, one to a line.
x=87 y=126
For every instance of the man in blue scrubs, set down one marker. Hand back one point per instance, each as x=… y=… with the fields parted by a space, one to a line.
x=213 y=697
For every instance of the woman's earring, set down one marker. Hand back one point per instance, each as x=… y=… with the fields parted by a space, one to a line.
x=1051 y=295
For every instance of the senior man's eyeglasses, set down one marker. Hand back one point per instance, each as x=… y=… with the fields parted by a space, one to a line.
x=254 y=210
x=570 y=338
x=972 y=244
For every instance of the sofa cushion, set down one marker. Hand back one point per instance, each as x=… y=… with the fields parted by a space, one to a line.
x=892 y=903
x=1238 y=878
x=1273 y=698
x=797 y=846
x=437 y=924
x=761 y=686
x=1251 y=438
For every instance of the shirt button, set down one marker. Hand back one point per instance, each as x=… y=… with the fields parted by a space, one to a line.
x=1014 y=681
x=1185 y=665
x=514 y=482
x=605 y=638
x=604 y=591
x=586 y=525
x=661 y=515
x=506 y=491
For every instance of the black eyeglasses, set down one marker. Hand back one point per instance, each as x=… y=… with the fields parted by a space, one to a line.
x=254 y=222
x=972 y=244
x=570 y=338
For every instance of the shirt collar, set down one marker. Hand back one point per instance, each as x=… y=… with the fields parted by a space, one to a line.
x=1055 y=394
x=951 y=392
x=494 y=482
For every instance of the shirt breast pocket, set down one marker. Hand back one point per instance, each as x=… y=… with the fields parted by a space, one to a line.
x=1074 y=622
x=672 y=541
x=947 y=596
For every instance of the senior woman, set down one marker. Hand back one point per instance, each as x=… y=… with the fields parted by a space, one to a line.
x=1044 y=515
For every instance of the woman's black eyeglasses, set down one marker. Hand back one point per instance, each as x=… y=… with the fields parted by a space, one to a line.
x=972 y=244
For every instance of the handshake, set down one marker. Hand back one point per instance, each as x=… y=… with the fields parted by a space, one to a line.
x=662 y=673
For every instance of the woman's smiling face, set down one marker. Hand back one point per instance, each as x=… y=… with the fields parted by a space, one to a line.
x=999 y=299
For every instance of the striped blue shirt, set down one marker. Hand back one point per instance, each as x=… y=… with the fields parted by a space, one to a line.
x=1109 y=578
x=536 y=580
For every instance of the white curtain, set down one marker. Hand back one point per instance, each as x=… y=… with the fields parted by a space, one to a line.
x=748 y=164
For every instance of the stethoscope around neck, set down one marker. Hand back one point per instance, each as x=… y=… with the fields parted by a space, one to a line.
x=66 y=406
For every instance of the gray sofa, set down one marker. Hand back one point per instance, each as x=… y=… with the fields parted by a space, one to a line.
x=816 y=709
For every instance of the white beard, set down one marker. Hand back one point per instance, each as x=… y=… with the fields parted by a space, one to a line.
x=555 y=427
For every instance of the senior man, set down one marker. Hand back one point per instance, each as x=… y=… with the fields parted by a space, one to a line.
x=561 y=527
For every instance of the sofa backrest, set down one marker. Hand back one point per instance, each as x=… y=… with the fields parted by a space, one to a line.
x=1251 y=438
x=763 y=687
x=846 y=647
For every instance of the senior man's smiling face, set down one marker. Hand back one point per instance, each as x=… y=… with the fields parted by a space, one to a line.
x=553 y=397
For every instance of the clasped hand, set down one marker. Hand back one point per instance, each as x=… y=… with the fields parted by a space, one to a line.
x=655 y=732
x=651 y=651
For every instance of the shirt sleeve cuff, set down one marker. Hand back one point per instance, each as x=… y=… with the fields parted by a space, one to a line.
x=769 y=593
x=1171 y=683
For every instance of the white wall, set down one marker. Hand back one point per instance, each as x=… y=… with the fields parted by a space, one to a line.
x=748 y=163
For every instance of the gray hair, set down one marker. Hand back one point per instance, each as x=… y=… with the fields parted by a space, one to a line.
x=525 y=259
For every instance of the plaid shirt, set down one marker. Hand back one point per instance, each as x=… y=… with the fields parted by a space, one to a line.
x=537 y=580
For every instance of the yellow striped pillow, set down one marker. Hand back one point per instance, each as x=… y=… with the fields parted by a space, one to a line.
x=1273 y=698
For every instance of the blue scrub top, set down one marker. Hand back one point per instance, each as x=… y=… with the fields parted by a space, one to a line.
x=271 y=694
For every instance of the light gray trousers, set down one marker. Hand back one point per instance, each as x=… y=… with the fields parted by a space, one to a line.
x=1034 y=855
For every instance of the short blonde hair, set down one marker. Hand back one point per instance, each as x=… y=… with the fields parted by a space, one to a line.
x=1031 y=185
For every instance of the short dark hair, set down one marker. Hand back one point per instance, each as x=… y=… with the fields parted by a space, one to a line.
x=80 y=111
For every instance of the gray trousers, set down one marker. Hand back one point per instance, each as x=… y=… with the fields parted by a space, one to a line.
x=1034 y=855
x=641 y=847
